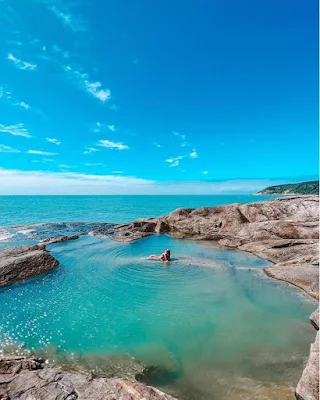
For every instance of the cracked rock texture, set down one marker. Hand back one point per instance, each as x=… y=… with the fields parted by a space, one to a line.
x=23 y=378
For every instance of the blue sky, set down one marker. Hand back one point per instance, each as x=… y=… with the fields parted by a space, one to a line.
x=144 y=96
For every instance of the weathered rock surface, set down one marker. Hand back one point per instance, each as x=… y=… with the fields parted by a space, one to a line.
x=128 y=232
x=314 y=318
x=284 y=231
x=22 y=262
x=308 y=386
x=23 y=378
x=61 y=239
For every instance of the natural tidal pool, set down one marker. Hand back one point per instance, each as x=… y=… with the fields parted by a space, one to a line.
x=211 y=322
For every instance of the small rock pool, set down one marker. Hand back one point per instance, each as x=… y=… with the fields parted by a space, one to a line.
x=211 y=324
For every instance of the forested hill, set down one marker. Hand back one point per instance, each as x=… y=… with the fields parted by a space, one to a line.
x=310 y=187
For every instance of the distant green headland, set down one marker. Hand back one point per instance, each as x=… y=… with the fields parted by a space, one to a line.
x=310 y=187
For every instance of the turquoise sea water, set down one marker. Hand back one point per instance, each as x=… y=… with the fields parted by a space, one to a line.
x=211 y=322
x=210 y=319
x=16 y=210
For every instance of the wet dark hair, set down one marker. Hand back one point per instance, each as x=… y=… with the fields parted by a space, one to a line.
x=168 y=252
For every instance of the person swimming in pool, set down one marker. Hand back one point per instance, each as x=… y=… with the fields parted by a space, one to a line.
x=165 y=256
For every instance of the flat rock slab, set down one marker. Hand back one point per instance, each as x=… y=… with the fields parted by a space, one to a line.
x=304 y=276
x=24 y=261
x=23 y=378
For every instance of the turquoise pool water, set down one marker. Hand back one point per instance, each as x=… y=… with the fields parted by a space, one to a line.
x=211 y=319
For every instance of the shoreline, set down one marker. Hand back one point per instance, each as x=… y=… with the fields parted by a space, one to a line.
x=283 y=231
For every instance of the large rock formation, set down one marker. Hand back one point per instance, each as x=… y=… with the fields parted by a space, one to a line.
x=23 y=378
x=22 y=262
x=284 y=231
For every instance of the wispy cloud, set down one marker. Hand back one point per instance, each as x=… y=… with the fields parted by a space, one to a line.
x=64 y=54
x=90 y=150
x=53 y=140
x=72 y=21
x=97 y=127
x=41 y=182
x=6 y=95
x=41 y=153
x=111 y=128
x=23 y=65
x=23 y=105
x=205 y=172
x=179 y=135
x=8 y=149
x=15 y=130
x=88 y=164
x=43 y=160
x=193 y=154
x=93 y=88
x=113 y=145
x=182 y=138
x=157 y=145
x=114 y=107
x=175 y=161
x=117 y=172
x=65 y=166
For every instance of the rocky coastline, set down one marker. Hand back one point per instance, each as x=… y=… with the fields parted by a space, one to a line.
x=284 y=231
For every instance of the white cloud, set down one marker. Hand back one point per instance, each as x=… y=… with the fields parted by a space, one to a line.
x=22 y=104
x=41 y=153
x=43 y=160
x=8 y=149
x=53 y=140
x=90 y=150
x=62 y=53
x=23 y=65
x=179 y=135
x=111 y=128
x=93 y=164
x=157 y=145
x=94 y=88
x=117 y=172
x=75 y=23
x=15 y=130
x=97 y=127
x=41 y=182
x=7 y=95
x=65 y=166
x=193 y=154
x=205 y=172
x=113 y=145
x=175 y=161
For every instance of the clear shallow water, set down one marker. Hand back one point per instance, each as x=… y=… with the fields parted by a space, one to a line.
x=34 y=209
x=211 y=319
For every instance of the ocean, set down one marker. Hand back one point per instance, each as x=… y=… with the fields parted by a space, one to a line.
x=16 y=210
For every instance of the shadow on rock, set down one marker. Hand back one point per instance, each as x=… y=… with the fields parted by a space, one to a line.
x=157 y=375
